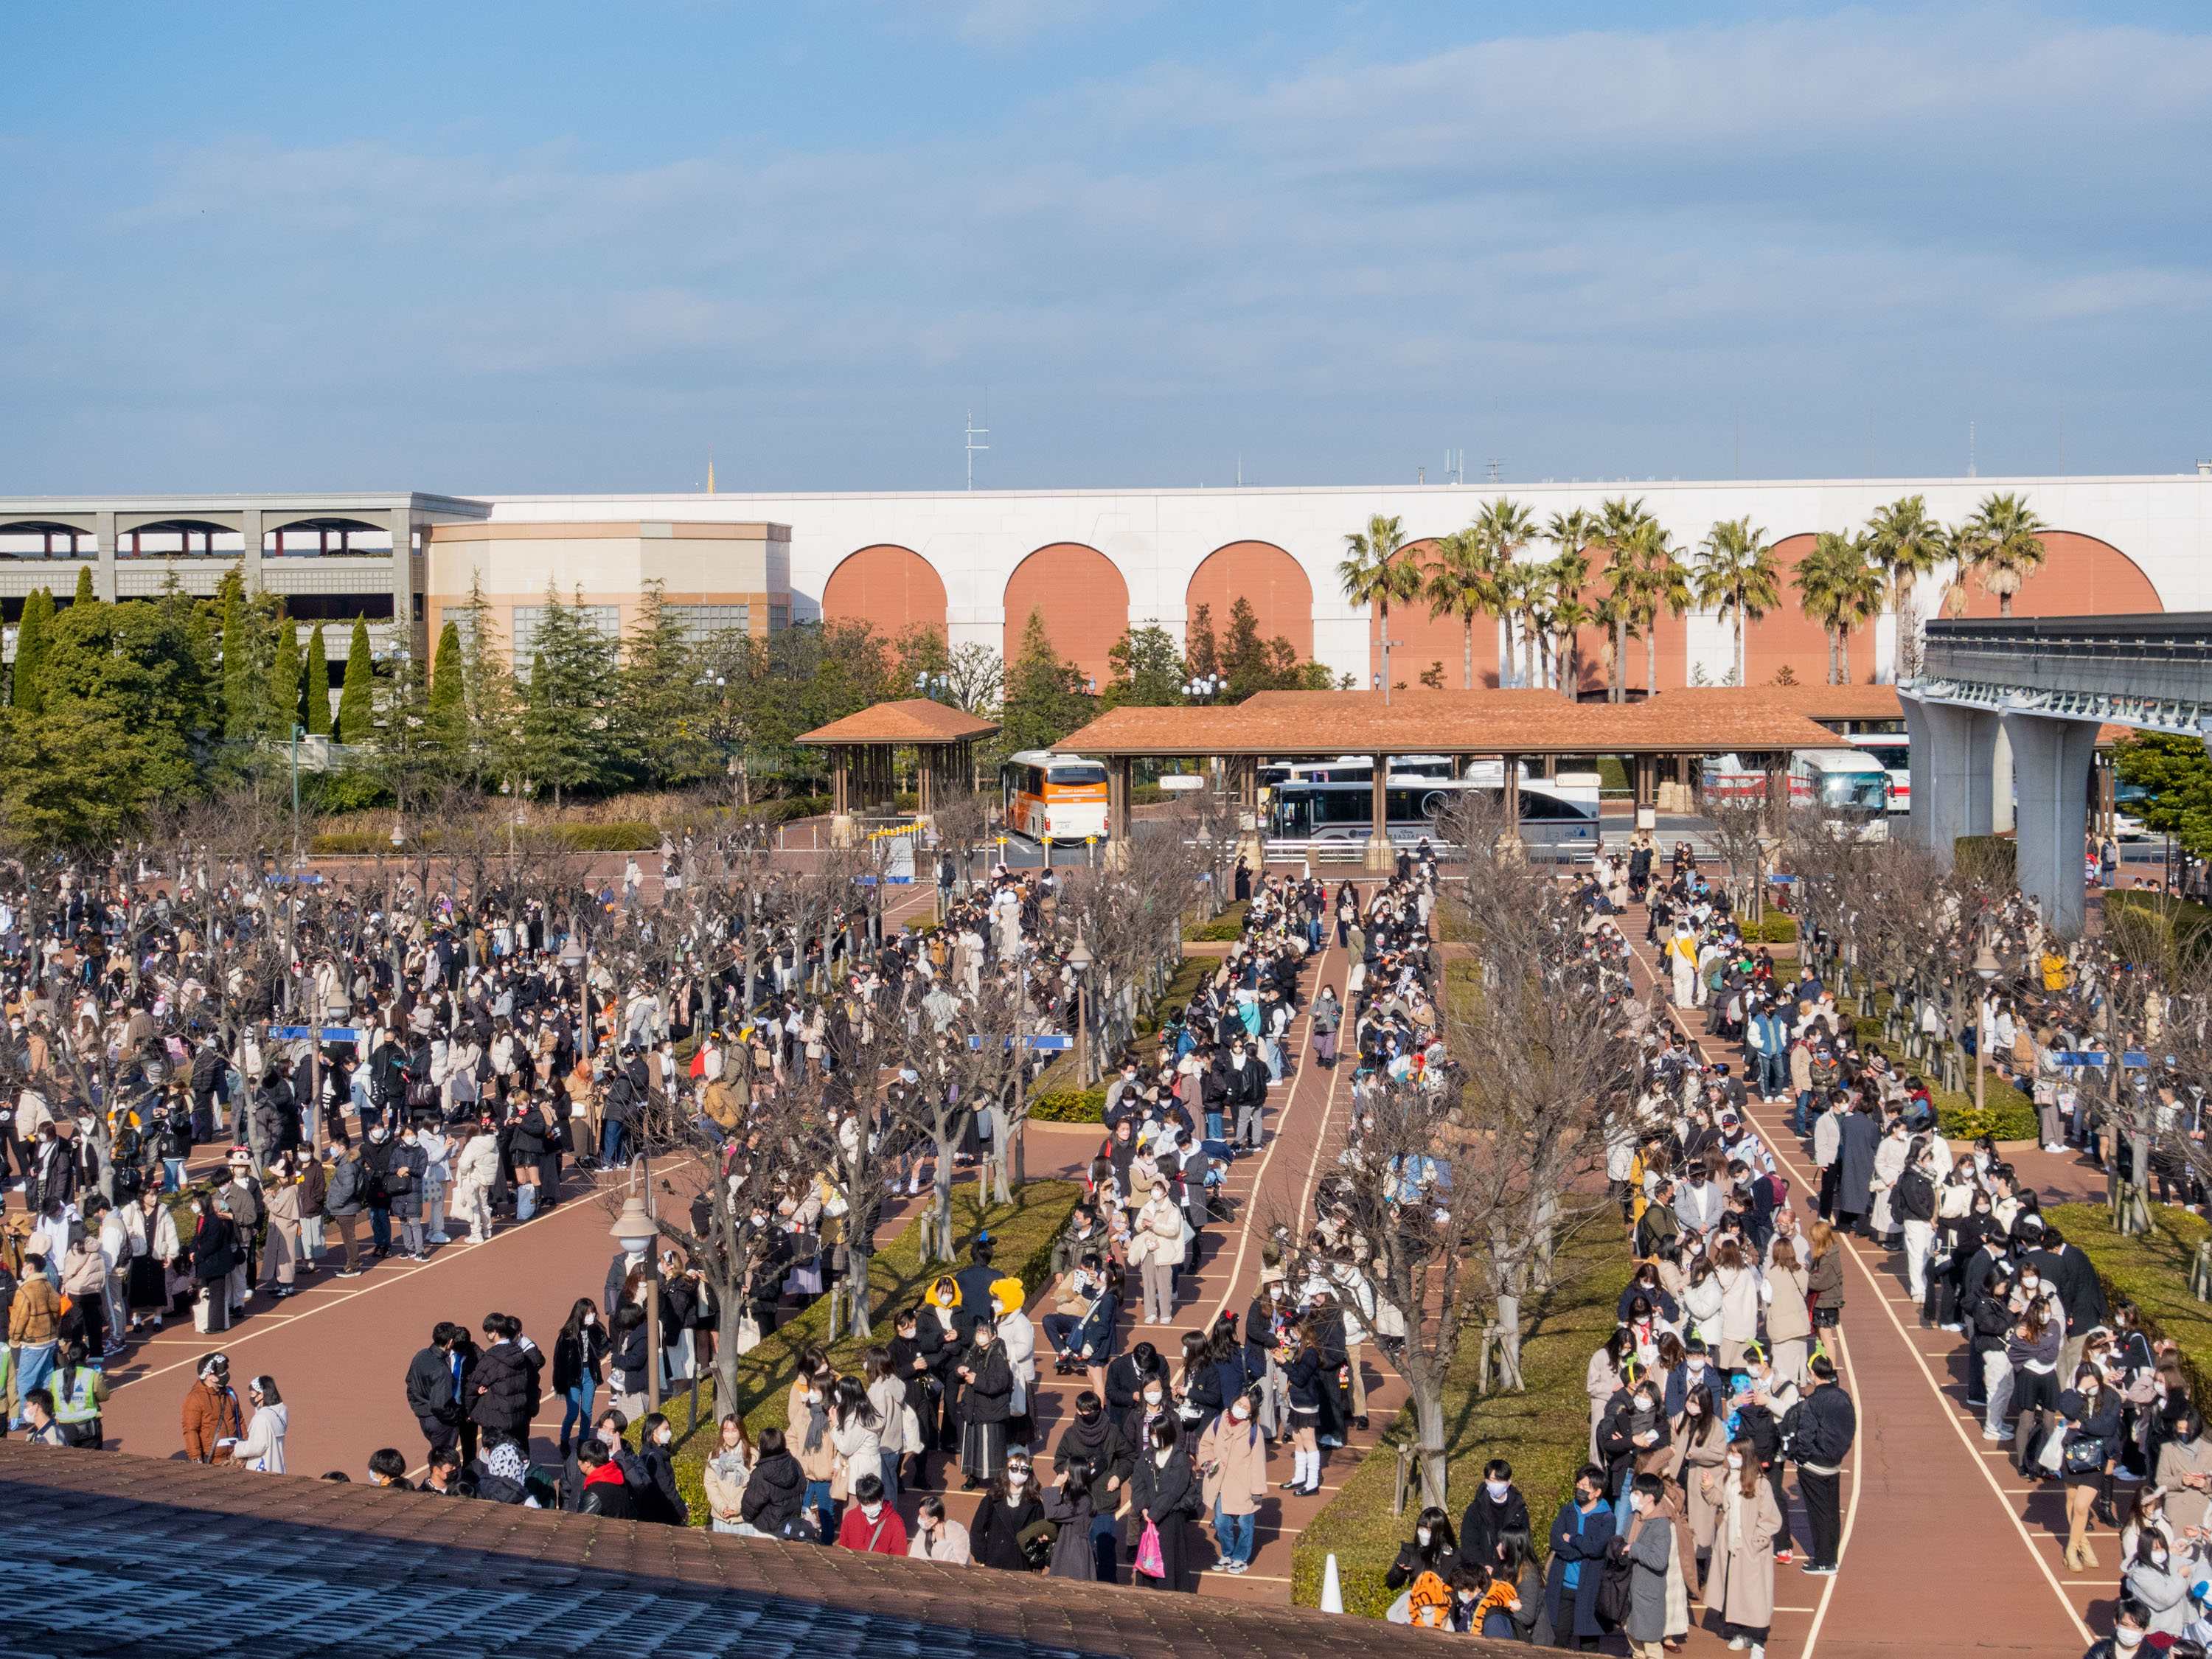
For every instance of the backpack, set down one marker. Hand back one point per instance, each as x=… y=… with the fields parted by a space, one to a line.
x=1615 y=1591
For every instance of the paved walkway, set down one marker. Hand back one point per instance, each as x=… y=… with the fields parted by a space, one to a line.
x=1943 y=1550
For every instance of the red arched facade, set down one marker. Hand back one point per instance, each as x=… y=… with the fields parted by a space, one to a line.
x=1421 y=642
x=1264 y=573
x=1084 y=601
x=1787 y=636
x=2081 y=576
x=893 y=587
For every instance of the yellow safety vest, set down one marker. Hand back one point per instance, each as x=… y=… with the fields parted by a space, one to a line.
x=79 y=1408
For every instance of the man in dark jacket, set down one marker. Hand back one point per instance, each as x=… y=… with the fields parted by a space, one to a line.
x=1126 y=1376
x=1822 y=1438
x=605 y=1491
x=435 y=1387
x=1097 y=1461
x=1580 y=1532
x=503 y=1397
x=1497 y=1509
x=2079 y=1290
x=776 y=1492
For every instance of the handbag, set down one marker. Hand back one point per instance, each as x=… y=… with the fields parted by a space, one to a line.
x=2085 y=1455
x=2051 y=1456
x=1149 y=1560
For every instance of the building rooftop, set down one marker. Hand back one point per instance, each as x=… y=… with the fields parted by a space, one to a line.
x=137 y=1555
x=913 y=720
x=1453 y=722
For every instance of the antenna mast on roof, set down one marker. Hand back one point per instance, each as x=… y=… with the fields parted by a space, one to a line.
x=974 y=433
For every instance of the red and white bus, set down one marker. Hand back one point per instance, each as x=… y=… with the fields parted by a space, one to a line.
x=1894 y=751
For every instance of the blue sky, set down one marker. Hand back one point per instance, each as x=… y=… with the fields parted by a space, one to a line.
x=574 y=246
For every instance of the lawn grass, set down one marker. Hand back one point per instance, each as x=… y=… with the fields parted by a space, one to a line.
x=2152 y=1271
x=1025 y=1231
x=1543 y=1432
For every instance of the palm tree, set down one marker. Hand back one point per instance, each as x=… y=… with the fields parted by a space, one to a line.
x=1378 y=572
x=1570 y=613
x=1737 y=575
x=1905 y=543
x=1618 y=520
x=1822 y=581
x=1861 y=597
x=1572 y=534
x=2003 y=543
x=1463 y=582
x=1504 y=527
x=1662 y=583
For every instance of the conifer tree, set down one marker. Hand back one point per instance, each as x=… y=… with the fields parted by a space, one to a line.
x=357 y=700
x=318 y=694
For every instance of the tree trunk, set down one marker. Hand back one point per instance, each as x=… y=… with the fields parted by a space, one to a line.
x=1620 y=659
x=1470 y=650
x=1844 y=653
x=1509 y=1344
x=1529 y=650
x=1427 y=1393
x=857 y=1258
x=1739 y=645
x=1831 y=633
x=1908 y=658
x=1651 y=660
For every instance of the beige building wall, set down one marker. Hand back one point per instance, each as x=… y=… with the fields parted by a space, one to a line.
x=609 y=564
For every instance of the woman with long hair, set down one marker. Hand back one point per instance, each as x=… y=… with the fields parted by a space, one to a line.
x=886 y=1392
x=263 y=1448
x=1824 y=1277
x=726 y=1474
x=855 y=1430
x=1299 y=1355
x=1742 y=1586
x=1011 y=1506
x=1789 y=1319
x=579 y=1355
x=1701 y=1463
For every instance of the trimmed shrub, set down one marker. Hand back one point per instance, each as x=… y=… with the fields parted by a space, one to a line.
x=1778 y=928
x=1065 y=1106
x=1993 y=859
x=1224 y=929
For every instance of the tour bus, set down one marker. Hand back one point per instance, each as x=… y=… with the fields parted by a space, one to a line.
x=1053 y=798
x=1550 y=815
x=1894 y=751
x=1851 y=788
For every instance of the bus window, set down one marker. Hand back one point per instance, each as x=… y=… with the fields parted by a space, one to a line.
x=1077 y=772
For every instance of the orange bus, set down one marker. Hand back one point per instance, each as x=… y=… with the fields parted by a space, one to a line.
x=1053 y=798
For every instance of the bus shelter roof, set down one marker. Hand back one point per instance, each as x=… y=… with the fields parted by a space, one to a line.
x=908 y=722
x=1284 y=723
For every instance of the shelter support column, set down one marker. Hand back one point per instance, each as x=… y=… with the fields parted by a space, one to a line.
x=1118 y=829
x=1951 y=754
x=841 y=796
x=1509 y=765
x=1380 y=855
x=2053 y=758
x=1777 y=793
x=403 y=579
x=1251 y=840
x=1644 y=770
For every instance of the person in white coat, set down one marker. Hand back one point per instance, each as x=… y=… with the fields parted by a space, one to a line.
x=263 y=1448
x=474 y=1171
x=1019 y=1337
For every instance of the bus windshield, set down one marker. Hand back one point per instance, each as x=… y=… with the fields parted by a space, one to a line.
x=1854 y=792
x=1084 y=772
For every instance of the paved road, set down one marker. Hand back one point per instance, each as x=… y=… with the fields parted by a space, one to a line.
x=1943 y=1551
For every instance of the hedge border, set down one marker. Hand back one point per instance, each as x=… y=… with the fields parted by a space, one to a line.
x=2152 y=1271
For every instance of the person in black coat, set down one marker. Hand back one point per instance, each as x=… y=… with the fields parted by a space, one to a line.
x=433 y=1392
x=1009 y=1509
x=1097 y=1459
x=1497 y=1509
x=776 y=1490
x=579 y=1354
x=505 y=1392
x=1127 y=1375
x=1165 y=1490
x=604 y=1490
x=660 y=1501
x=1580 y=1532
x=1431 y=1549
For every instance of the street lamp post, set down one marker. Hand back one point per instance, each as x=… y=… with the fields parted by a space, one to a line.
x=635 y=1230
x=1204 y=688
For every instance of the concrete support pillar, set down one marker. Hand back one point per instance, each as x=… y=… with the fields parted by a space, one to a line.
x=403 y=578
x=1952 y=752
x=1644 y=775
x=103 y=536
x=2001 y=789
x=1511 y=765
x=1380 y=855
x=2053 y=758
x=250 y=531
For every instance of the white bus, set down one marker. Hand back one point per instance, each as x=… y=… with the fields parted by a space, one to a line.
x=1849 y=787
x=1894 y=751
x=1053 y=798
x=1344 y=811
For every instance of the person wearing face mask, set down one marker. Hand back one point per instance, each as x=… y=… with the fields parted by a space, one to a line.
x=2184 y=1469
x=1702 y=1452
x=1634 y=1436
x=1580 y=1534
x=1165 y=1492
x=2130 y=1624
x=2157 y=1582
x=1496 y=1510
x=1647 y=1547
x=1009 y=1516
x=579 y=1355
x=1742 y=1586
x=2091 y=1412
x=1232 y=1462
x=987 y=1394
x=806 y=1418
x=1095 y=1461
x=871 y=1525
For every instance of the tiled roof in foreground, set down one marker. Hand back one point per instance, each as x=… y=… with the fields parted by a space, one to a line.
x=125 y=1555
x=910 y=720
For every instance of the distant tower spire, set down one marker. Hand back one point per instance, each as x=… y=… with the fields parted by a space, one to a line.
x=710 y=471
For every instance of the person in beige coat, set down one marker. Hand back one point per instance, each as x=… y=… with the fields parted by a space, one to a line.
x=2184 y=1469
x=1740 y=1588
x=1232 y=1460
x=1788 y=1324
x=280 y=1254
x=1703 y=1469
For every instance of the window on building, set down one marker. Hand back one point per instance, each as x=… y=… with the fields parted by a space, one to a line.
x=779 y=619
x=528 y=619
x=701 y=623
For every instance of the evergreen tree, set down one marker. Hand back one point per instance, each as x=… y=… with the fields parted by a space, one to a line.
x=241 y=688
x=568 y=736
x=664 y=739
x=31 y=636
x=1045 y=700
x=356 y=700
x=84 y=593
x=317 y=696
x=445 y=718
x=487 y=680
x=1147 y=669
x=284 y=681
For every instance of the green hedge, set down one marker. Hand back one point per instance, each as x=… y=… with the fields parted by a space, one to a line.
x=1226 y=929
x=1778 y=928
x=634 y=835
x=1543 y=1432
x=2178 y=932
x=2152 y=1271
x=1067 y=1106
x=1025 y=1229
